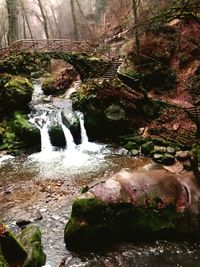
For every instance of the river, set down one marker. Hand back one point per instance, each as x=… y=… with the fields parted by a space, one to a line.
x=41 y=188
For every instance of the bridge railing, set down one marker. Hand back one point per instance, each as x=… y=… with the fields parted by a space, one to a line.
x=46 y=45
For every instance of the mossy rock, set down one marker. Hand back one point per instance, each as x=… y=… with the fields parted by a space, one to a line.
x=131 y=146
x=19 y=133
x=166 y=159
x=15 y=94
x=57 y=136
x=11 y=248
x=93 y=223
x=3 y=262
x=30 y=237
x=110 y=108
x=147 y=148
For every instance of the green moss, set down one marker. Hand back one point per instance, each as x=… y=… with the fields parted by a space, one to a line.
x=18 y=133
x=146 y=148
x=30 y=237
x=131 y=145
x=94 y=221
x=15 y=94
x=12 y=249
x=19 y=84
x=3 y=262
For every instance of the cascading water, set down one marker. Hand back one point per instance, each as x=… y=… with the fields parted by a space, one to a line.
x=68 y=136
x=42 y=123
x=85 y=144
x=84 y=137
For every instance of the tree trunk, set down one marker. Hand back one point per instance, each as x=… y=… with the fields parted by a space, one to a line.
x=44 y=19
x=76 y=34
x=26 y=18
x=135 y=13
x=13 y=27
x=84 y=19
x=55 y=19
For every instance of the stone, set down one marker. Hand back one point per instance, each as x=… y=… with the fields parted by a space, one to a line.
x=30 y=238
x=168 y=159
x=12 y=250
x=146 y=148
x=115 y=113
x=160 y=149
x=182 y=155
x=135 y=152
x=158 y=158
x=171 y=150
x=135 y=205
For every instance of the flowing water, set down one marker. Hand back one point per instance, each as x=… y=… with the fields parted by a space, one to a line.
x=40 y=188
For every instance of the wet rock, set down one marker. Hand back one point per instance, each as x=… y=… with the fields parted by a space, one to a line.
x=166 y=159
x=21 y=223
x=133 y=205
x=183 y=155
x=24 y=218
x=12 y=250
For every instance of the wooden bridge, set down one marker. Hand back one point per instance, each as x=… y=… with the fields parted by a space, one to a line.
x=47 y=45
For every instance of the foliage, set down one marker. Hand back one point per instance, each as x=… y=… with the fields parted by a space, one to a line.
x=18 y=133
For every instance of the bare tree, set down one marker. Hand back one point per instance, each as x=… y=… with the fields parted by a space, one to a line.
x=44 y=19
x=25 y=18
x=55 y=19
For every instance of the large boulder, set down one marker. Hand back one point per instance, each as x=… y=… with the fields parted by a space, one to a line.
x=133 y=205
x=110 y=108
x=18 y=133
x=15 y=93
x=58 y=85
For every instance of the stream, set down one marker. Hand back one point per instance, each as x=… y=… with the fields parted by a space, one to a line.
x=40 y=189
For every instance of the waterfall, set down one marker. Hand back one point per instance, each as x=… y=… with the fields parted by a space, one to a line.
x=68 y=136
x=42 y=123
x=45 y=140
x=84 y=137
x=37 y=92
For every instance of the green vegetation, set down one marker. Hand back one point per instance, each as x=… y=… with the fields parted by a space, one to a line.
x=17 y=133
x=92 y=220
x=30 y=237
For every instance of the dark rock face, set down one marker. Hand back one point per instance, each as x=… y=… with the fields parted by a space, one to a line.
x=59 y=86
x=24 y=250
x=110 y=108
x=133 y=205
x=30 y=237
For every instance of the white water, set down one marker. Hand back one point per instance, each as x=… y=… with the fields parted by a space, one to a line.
x=5 y=158
x=42 y=123
x=85 y=144
x=37 y=92
x=84 y=137
x=74 y=88
x=68 y=136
